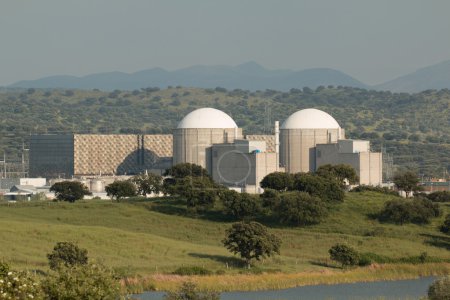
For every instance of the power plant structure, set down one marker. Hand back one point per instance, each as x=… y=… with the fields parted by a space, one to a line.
x=210 y=138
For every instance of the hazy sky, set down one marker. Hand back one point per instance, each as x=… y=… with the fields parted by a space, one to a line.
x=373 y=41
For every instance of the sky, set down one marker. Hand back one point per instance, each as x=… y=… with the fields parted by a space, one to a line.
x=373 y=41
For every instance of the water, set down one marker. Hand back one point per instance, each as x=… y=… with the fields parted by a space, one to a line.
x=399 y=289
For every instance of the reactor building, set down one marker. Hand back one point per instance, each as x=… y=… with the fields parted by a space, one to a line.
x=210 y=138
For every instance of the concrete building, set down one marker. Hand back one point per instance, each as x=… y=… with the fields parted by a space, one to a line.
x=299 y=135
x=242 y=164
x=54 y=156
x=356 y=153
x=198 y=131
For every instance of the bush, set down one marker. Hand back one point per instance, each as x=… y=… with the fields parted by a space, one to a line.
x=240 y=205
x=401 y=211
x=193 y=270
x=279 y=181
x=300 y=208
x=270 y=199
x=445 y=228
x=82 y=282
x=440 y=196
x=189 y=291
x=67 y=254
x=344 y=254
x=4 y=269
x=19 y=285
x=121 y=189
x=325 y=188
x=69 y=190
x=440 y=289
x=377 y=189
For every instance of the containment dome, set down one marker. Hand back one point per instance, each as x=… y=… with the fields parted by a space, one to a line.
x=207 y=118
x=310 y=118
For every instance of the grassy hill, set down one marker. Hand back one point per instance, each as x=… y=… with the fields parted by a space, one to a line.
x=142 y=237
x=415 y=128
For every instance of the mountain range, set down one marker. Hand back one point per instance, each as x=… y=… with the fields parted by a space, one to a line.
x=248 y=76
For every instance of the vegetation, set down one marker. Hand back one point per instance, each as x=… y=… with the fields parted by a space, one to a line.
x=193 y=270
x=407 y=182
x=120 y=189
x=369 y=188
x=345 y=255
x=417 y=210
x=440 y=289
x=69 y=190
x=146 y=240
x=240 y=205
x=445 y=227
x=90 y=281
x=251 y=241
x=147 y=184
x=278 y=181
x=184 y=170
x=409 y=126
x=189 y=291
x=67 y=254
x=341 y=173
x=324 y=188
x=439 y=196
x=300 y=208
x=19 y=285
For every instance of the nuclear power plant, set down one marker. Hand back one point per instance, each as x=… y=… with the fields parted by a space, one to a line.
x=210 y=138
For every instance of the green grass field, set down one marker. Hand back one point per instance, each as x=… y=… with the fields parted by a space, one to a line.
x=143 y=237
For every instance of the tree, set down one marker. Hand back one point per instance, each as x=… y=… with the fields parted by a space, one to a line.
x=445 y=228
x=189 y=291
x=440 y=289
x=240 y=205
x=270 y=199
x=439 y=196
x=186 y=169
x=344 y=254
x=69 y=190
x=67 y=254
x=148 y=184
x=121 y=189
x=279 y=181
x=326 y=189
x=251 y=240
x=300 y=208
x=340 y=172
x=199 y=192
x=401 y=211
x=407 y=182
x=90 y=281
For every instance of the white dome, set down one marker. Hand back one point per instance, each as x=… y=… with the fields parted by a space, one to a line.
x=207 y=118
x=310 y=118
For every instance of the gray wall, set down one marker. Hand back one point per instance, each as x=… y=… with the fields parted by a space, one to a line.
x=51 y=155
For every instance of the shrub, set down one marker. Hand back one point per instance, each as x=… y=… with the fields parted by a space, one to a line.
x=325 y=188
x=82 y=282
x=440 y=289
x=193 y=270
x=401 y=211
x=4 y=269
x=189 y=291
x=69 y=190
x=377 y=189
x=240 y=205
x=440 y=196
x=67 y=254
x=19 y=285
x=121 y=189
x=344 y=254
x=270 y=199
x=300 y=208
x=279 y=181
x=445 y=228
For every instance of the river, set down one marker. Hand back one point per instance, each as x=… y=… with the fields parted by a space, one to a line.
x=399 y=289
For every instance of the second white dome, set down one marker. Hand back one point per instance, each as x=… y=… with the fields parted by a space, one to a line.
x=310 y=118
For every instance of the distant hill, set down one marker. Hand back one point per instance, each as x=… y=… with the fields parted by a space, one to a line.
x=248 y=76
x=432 y=77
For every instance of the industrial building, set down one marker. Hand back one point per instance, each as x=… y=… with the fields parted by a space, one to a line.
x=210 y=138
